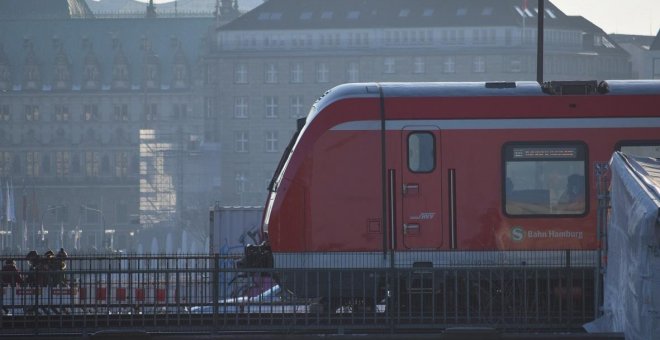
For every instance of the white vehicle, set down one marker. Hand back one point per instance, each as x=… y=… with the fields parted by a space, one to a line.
x=272 y=301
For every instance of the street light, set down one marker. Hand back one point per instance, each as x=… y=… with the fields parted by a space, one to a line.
x=43 y=232
x=3 y=235
x=111 y=234
x=82 y=206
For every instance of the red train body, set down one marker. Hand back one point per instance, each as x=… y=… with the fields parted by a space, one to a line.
x=405 y=167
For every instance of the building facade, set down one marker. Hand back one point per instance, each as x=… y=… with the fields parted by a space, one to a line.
x=101 y=123
x=269 y=65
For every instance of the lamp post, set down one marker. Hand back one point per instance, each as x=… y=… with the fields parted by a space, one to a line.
x=43 y=232
x=5 y=235
x=110 y=234
x=100 y=212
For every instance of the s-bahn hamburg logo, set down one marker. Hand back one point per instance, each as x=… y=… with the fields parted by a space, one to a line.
x=423 y=216
x=517 y=234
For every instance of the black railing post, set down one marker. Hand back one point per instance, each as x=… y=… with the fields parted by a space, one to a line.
x=539 y=43
x=216 y=290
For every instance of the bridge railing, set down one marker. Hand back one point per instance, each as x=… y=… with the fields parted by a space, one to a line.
x=202 y=293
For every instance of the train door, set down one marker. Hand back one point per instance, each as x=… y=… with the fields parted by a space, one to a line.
x=420 y=189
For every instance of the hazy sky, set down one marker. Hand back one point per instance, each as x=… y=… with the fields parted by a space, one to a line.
x=615 y=16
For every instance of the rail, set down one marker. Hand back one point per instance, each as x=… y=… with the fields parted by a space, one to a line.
x=209 y=294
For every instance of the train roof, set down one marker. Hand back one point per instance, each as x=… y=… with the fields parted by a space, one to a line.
x=478 y=89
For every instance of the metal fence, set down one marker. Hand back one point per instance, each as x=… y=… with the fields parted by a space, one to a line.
x=210 y=294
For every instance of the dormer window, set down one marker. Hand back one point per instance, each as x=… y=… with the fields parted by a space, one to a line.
x=62 y=79
x=120 y=71
x=181 y=73
x=91 y=72
x=151 y=75
x=5 y=74
x=32 y=75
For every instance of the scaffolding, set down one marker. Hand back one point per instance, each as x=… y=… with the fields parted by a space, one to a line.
x=159 y=178
x=179 y=178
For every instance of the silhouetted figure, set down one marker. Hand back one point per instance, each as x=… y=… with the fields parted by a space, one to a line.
x=50 y=267
x=60 y=266
x=10 y=274
x=35 y=275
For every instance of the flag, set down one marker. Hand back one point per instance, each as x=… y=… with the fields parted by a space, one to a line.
x=11 y=212
x=2 y=202
x=25 y=224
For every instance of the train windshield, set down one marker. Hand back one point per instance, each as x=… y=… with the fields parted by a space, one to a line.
x=300 y=123
x=545 y=179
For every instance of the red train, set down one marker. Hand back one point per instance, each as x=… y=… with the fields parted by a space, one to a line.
x=410 y=168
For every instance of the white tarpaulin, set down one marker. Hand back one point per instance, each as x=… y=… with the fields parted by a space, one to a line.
x=632 y=275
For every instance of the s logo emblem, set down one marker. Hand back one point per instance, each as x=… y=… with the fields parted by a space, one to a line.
x=517 y=234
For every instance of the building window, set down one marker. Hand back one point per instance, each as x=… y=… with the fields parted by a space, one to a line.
x=544 y=179
x=449 y=65
x=240 y=74
x=45 y=164
x=271 y=106
x=121 y=164
x=90 y=74
x=121 y=112
x=33 y=162
x=179 y=111
x=271 y=73
x=241 y=141
x=419 y=66
x=272 y=144
x=90 y=112
x=478 y=64
x=353 y=72
x=151 y=112
x=389 y=65
x=61 y=113
x=62 y=163
x=241 y=107
x=297 y=108
x=515 y=65
x=16 y=165
x=241 y=182
x=120 y=74
x=4 y=113
x=5 y=163
x=322 y=73
x=32 y=113
x=297 y=73
x=92 y=163
x=105 y=164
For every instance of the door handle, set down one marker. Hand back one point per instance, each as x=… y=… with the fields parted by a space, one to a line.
x=407 y=226
x=410 y=187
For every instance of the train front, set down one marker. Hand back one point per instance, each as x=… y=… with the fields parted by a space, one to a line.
x=281 y=194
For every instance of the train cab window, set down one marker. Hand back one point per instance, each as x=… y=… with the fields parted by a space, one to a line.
x=640 y=149
x=545 y=179
x=421 y=152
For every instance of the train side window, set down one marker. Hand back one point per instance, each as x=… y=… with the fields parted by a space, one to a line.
x=640 y=148
x=421 y=152
x=545 y=179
